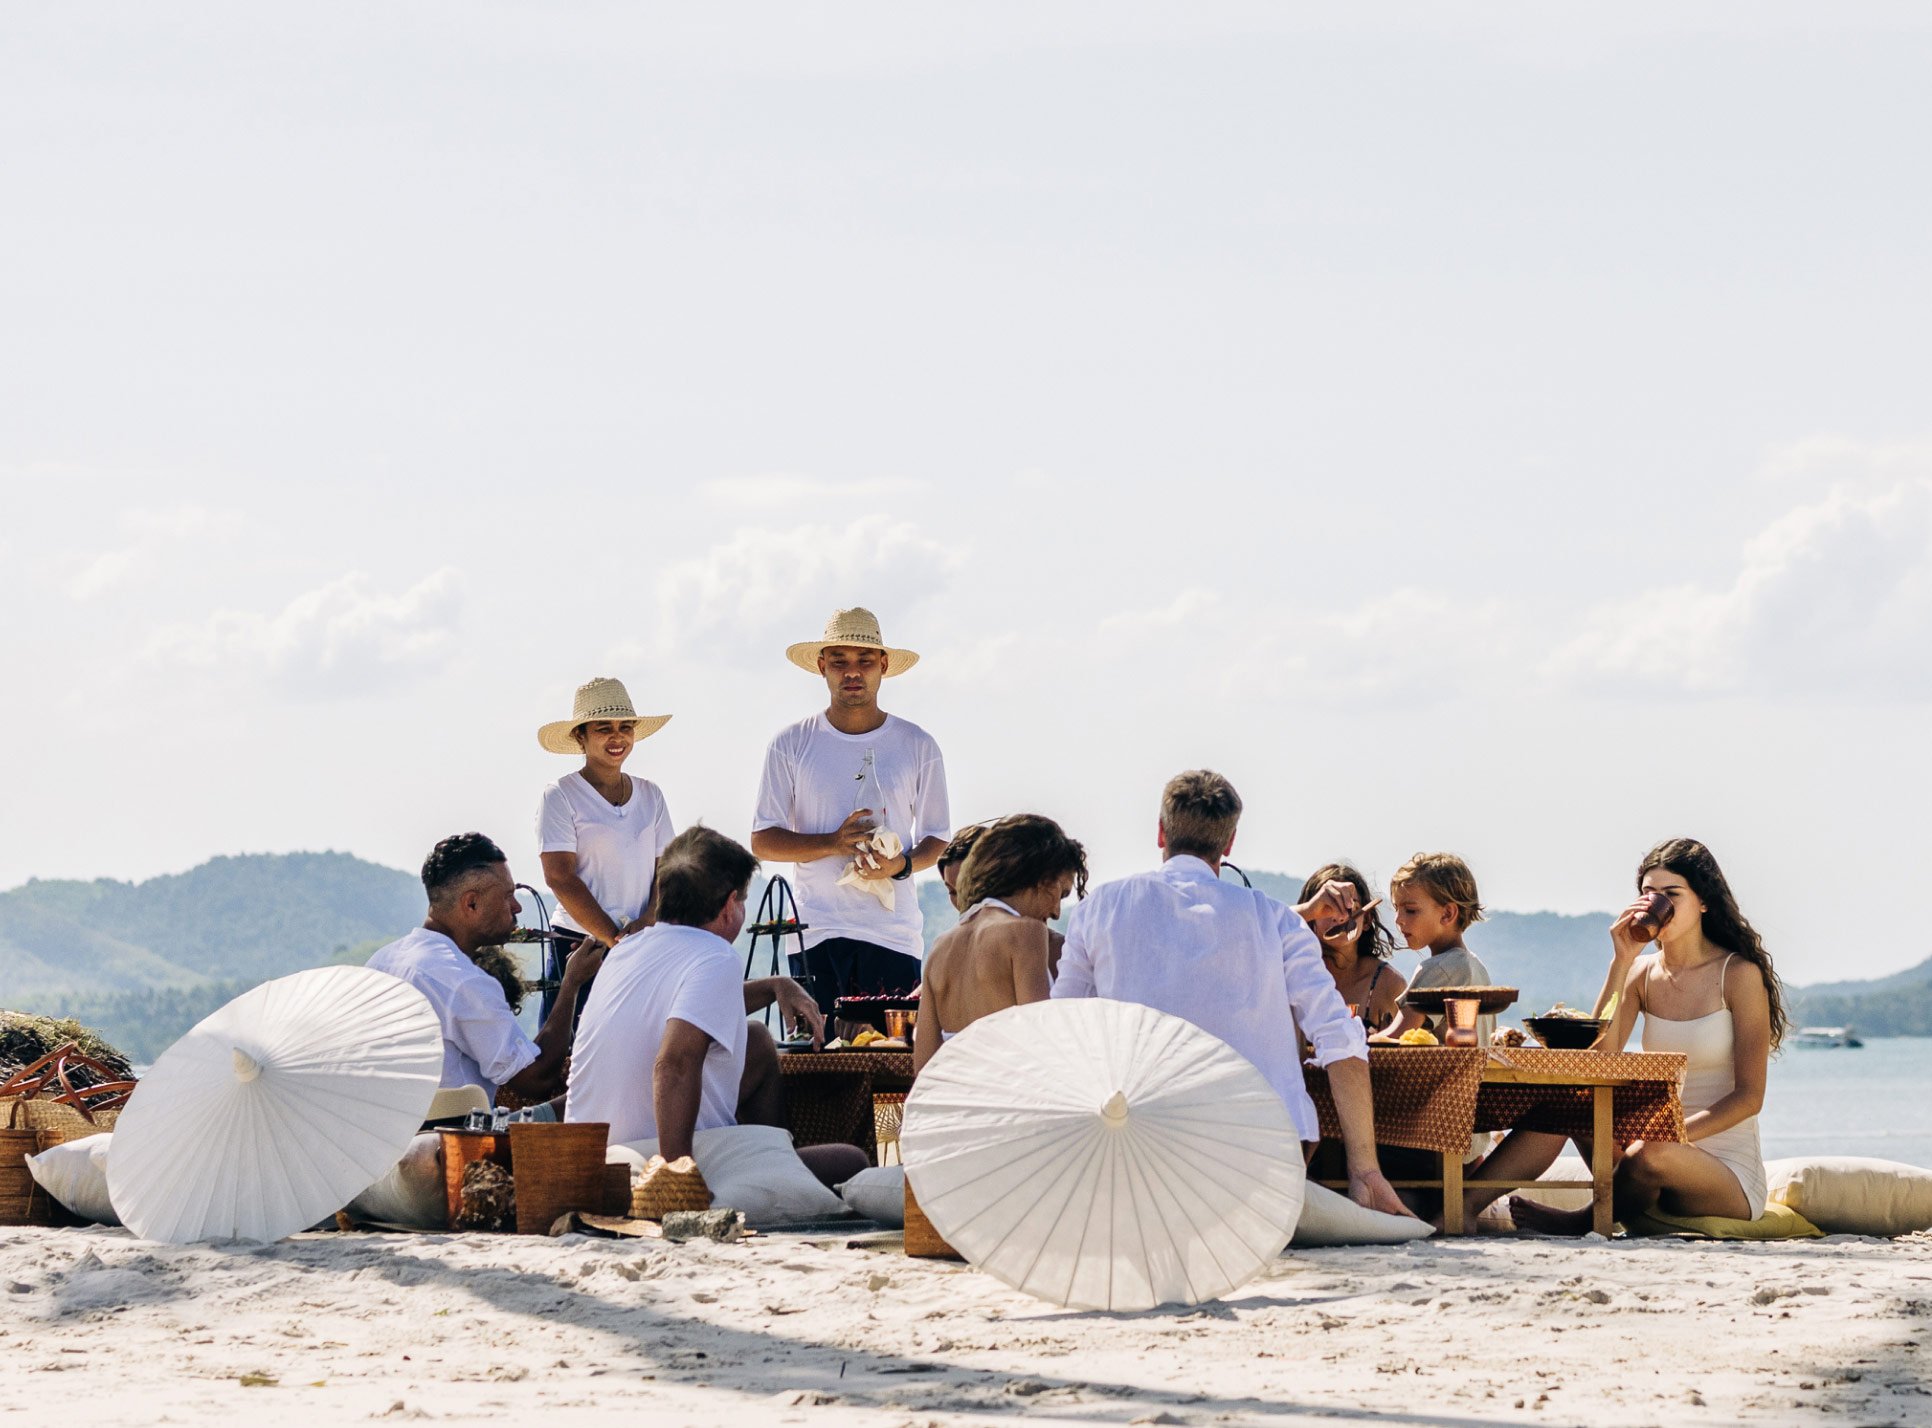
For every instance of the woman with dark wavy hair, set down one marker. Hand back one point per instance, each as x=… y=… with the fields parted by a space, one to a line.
x=1708 y=991
x=1357 y=950
x=1001 y=955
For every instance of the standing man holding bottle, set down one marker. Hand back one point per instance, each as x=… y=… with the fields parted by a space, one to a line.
x=835 y=784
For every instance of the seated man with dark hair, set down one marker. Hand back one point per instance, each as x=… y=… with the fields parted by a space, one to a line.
x=664 y=1049
x=472 y=905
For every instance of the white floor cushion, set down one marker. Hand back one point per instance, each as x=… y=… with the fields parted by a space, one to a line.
x=753 y=1169
x=411 y=1194
x=75 y=1174
x=878 y=1193
x=1328 y=1218
x=1854 y=1195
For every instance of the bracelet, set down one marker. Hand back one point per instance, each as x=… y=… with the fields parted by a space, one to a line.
x=904 y=872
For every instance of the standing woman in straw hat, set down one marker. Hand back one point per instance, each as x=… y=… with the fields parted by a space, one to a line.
x=856 y=797
x=599 y=829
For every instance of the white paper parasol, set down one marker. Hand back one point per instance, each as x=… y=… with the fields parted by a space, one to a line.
x=1103 y=1155
x=277 y=1110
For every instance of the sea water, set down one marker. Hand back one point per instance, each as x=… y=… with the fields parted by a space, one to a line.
x=1871 y=1100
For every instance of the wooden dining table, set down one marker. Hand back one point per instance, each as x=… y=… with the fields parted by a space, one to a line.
x=1435 y=1098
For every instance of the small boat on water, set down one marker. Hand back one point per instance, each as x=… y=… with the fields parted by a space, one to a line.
x=1826 y=1036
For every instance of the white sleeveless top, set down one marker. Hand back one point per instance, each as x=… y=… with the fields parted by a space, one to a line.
x=1710 y=1074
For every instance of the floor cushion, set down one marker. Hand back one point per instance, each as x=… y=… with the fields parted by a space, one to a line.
x=1854 y=1195
x=1330 y=1218
x=75 y=1174
x=879 y=1193
x=411 y=1193
x=1778 y=1222
x=753 y=1169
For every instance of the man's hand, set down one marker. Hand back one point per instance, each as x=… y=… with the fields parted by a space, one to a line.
x=584 y=962
x=1334 y=904
x=796 y=1008
x=870 y=866
x=851 y=836
x=1369 y=1189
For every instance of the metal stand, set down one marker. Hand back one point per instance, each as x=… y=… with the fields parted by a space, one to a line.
x=557 y=946
x=775 y=923
x=1226 y=866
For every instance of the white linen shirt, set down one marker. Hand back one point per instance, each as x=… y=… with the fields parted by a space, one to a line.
x=482 y=1043
x=1231 y=960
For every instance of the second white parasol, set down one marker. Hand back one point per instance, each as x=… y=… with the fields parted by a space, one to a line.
x=276 y=1111
x=1103 y=1155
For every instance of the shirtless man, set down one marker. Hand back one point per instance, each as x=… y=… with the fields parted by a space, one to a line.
x=1012 y=883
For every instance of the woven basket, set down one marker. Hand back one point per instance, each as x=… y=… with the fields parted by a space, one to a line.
x=559 y=1167
x=22 y=1201
x=54 y=1123
x=666 y=1186
x=922 y=1240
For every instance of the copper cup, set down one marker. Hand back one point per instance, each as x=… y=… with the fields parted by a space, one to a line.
x=1651 y=916
x=1461 y=1014
x=899 y=1024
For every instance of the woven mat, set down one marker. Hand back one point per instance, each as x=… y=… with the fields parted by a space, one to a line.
x=1425 y=1096
x=1650 y=1108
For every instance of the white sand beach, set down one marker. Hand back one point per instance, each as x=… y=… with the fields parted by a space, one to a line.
x=330 y=1328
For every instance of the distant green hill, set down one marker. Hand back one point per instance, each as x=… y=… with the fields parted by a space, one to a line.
x=145 y=961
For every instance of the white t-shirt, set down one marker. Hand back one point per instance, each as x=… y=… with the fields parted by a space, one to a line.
x=662 y=972
x=616 y=848
x=813 y=780
x=482 y=1043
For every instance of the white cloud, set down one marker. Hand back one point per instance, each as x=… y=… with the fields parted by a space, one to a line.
x=1832 y=599
x=154 y=541
x=743 y=600
x=1403 y=646
x=784 y=488
x=344 y=638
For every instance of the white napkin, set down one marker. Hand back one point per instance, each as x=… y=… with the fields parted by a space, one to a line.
x=886 y=847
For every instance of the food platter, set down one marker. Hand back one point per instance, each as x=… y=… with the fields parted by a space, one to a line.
x=1489 y=1000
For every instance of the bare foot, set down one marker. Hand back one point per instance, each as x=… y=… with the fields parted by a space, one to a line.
x=1542 y=1220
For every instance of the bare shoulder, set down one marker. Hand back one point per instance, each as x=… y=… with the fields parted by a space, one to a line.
x=1394 y=980
x=1743 y=982
x=1018 y=934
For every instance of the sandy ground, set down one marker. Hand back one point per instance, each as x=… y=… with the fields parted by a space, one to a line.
x=788 y=1330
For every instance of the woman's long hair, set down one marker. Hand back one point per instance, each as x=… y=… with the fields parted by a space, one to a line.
x=1376 y=939
x=1018 y=853
x=1724 y=925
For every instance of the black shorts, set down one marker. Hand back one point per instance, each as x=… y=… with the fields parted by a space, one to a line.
x=846 y=967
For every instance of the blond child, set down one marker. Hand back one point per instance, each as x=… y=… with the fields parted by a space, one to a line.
x=1436 y=902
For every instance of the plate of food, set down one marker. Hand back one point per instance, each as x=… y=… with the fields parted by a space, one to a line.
x=1564 y=1028
x=1489 y=1000
x=872 y=1010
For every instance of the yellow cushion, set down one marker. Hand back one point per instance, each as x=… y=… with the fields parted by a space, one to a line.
x=1778 y=1222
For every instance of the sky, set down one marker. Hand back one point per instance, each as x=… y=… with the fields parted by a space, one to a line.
x=1495 y=428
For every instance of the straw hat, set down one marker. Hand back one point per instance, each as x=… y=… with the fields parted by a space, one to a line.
x=857 y=627
x=600 y=699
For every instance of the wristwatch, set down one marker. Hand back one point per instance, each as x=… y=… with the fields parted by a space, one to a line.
x=904 y=872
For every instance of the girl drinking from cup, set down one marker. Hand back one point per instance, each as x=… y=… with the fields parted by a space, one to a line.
x=1709 y=992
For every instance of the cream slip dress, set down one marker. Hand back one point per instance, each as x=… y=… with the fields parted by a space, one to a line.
x=965 y=917
x=1710 y=1074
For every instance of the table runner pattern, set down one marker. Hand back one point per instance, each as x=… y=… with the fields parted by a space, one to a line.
x=1425 y=1096
x=1648 y=1107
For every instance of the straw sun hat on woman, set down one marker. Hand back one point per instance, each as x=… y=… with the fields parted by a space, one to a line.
x=596 y=702
x=856 y=628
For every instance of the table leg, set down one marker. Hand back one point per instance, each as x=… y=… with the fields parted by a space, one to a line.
x=1602 y=1166
x=1452 y=1192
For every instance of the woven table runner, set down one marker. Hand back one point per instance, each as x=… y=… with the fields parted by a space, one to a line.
x=1425 y=1096
x=1648 y=1107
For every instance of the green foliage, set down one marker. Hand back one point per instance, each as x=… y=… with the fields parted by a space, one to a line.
x=1898 y=1005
